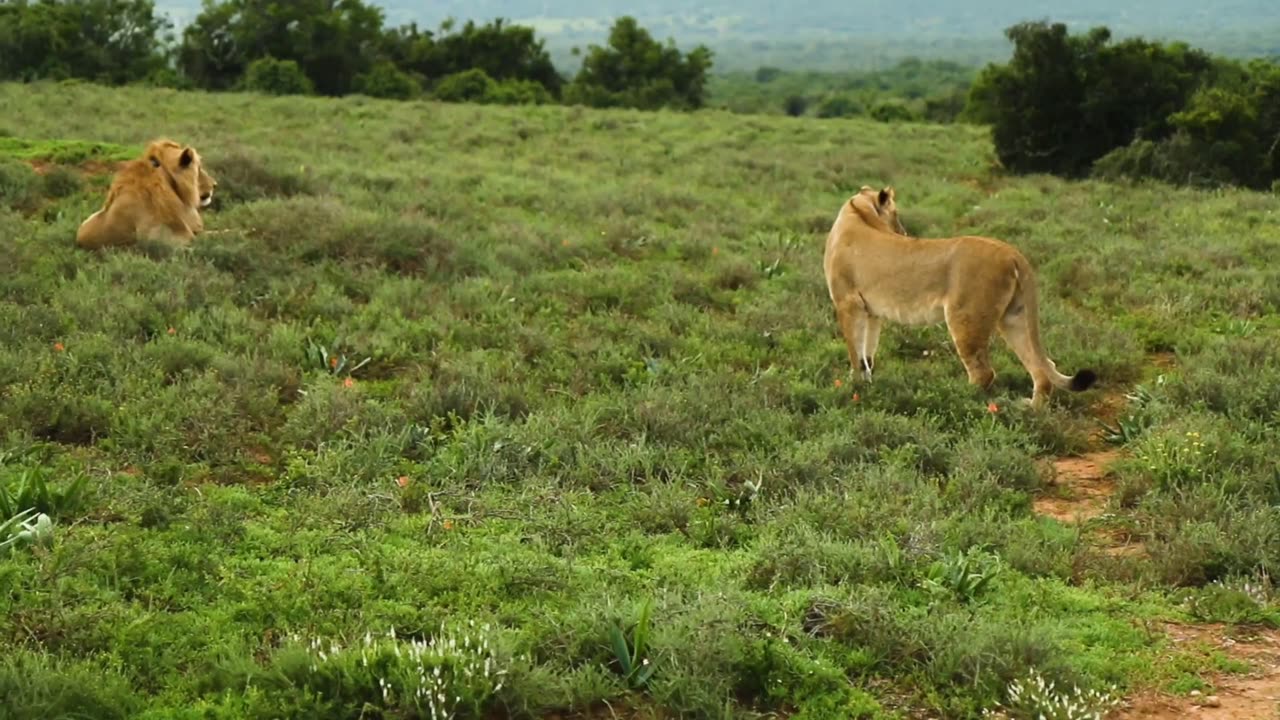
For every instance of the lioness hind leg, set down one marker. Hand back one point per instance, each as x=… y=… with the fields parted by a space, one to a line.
x=971 y=333
x=852 y=316
x=1015 y=332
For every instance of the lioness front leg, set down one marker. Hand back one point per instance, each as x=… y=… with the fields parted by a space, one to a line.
x=872 y=343
x=854 y=321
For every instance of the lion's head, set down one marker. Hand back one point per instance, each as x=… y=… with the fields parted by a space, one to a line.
x=883 y=203
x=185 y=170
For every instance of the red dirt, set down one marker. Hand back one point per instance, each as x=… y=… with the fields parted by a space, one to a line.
x=1084 y=487
x=1252 y=696
x=88 y=167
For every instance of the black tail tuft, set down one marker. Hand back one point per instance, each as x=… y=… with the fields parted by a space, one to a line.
x=1083 y=380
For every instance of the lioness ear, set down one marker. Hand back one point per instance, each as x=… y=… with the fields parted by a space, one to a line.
x=187 y=157
x=886 y=195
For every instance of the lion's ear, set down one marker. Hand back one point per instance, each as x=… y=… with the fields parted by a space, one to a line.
x=187 y=158
x=886 y=195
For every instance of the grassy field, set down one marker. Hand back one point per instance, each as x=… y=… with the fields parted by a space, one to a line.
x=565 y=387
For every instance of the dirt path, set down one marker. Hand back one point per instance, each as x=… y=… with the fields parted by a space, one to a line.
x=1081 y=487
x=1254 y=695
x=1080 y=493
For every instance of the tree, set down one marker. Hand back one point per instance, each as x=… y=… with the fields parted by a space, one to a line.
x=1035 y=100
x=504 y=52
x=107 y=41
x=634 y=70
x=333 y=41
x=1062 y=102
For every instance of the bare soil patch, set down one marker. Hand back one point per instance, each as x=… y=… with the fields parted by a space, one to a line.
x=1254 y=695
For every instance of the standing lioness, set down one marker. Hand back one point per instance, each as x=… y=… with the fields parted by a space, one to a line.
x=977 y=285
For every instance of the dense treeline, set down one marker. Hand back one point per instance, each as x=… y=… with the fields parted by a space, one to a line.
x=1066 y=104
x=336 y=47
x=1075 y=105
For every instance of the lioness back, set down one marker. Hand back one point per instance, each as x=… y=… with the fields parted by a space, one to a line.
x=154 y=197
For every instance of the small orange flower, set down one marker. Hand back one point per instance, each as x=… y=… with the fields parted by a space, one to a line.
x=172 y=331
x=448 y=524
x=348 y=382
x=333 y=362
x=992 y=407
x=403 y=481
x=839 y=382
x=856 y=397
x=715 y=250
x=58 y=347
x=564 y=243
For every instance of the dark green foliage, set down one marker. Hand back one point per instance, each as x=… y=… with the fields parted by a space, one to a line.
x=634 y=70
x=329 y=41
x=467 y=86
x=276 y=77
x=1070 y=105
x=106 y=41
x=1064 y=101
x=385 y=80
x=502 y=51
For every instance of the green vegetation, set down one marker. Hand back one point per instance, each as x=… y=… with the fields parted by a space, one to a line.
x=837 y=37
x=563 y=386
x=923 y=90
x=1071 y=104
x=337 y=48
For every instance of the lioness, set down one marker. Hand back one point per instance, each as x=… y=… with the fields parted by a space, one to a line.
x=977 y=285
x=155 y=197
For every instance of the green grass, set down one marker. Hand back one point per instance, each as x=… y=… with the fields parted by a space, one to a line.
x=600 y=374
x=64 y=151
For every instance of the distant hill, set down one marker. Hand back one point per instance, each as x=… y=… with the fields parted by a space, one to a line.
x=824 y=34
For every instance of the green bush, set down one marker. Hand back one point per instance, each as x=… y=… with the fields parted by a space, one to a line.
x=276 y=77
x=385 y=80
x=467 y=86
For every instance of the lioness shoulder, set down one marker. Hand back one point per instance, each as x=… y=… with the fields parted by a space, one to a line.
x=157 y=196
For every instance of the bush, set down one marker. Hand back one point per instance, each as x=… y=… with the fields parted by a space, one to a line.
x=518 y=92
x=467 y=86
x=839 y=106
x=891 y=112
x=795 y=105
x=1224 y=135
x=385 y=80
x=19 y=185
x=276 y=77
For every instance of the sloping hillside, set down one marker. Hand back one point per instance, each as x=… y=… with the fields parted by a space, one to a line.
x=565 y=387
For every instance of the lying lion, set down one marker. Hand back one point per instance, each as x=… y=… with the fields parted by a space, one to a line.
x=976 y=285
x=155 y=197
